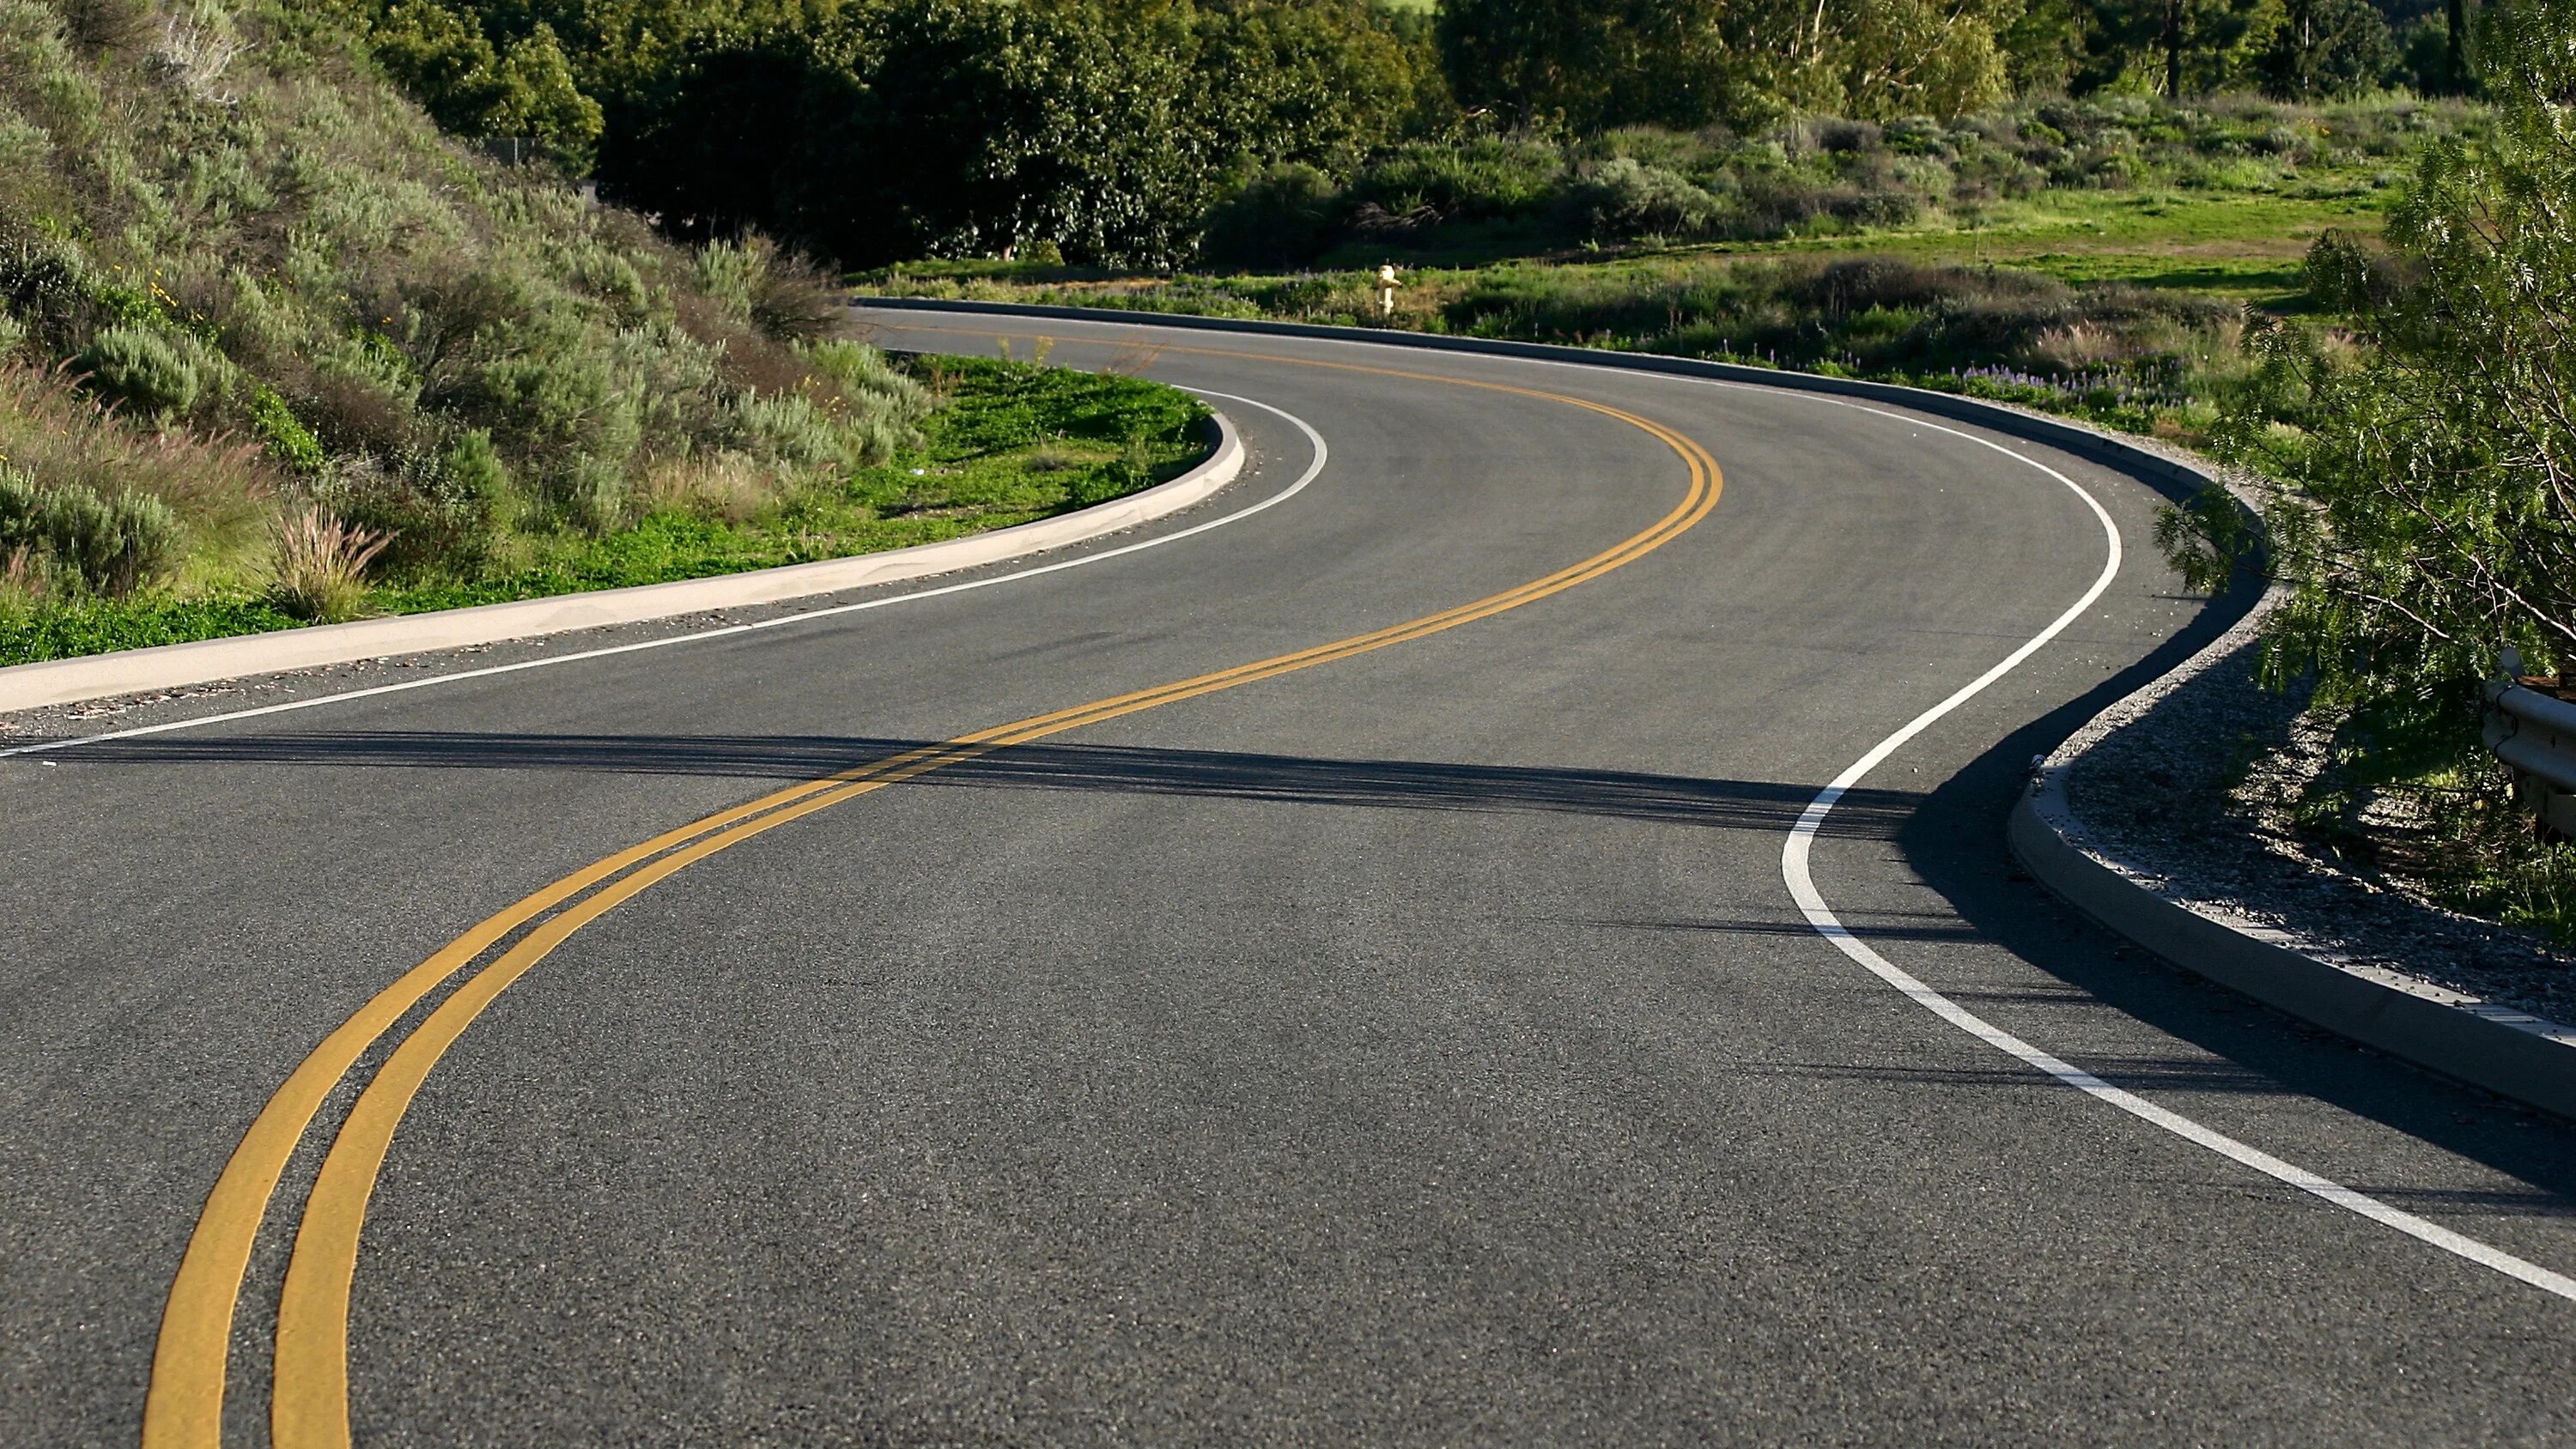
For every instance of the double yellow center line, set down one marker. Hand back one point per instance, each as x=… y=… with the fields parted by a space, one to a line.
x=309 y=1401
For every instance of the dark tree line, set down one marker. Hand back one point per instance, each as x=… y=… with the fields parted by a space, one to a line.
x=878 y=130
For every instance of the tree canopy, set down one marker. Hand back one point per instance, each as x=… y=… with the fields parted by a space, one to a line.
x=875 y=130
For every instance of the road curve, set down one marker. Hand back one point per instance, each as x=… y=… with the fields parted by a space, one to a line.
x=1504 y=938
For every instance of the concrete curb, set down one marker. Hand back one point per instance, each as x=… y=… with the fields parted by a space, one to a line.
x=174 y=666
x=2510 y=1053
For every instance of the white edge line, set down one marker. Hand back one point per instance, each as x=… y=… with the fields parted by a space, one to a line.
x=1314 y=469
x=1802 y=886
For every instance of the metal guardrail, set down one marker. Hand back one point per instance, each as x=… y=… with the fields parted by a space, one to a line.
x=2534 y=735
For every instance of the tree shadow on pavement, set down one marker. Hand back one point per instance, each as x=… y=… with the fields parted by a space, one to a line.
x=1292 y=779
x=1954 y=840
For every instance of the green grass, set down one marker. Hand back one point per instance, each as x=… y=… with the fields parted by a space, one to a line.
x=1013 y=442
x=2244 y=247
x=2220 y=199
x=1738 y=300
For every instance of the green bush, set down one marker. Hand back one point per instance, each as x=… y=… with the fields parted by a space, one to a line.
x=287 y=440
x=1279 y=217
x=43 y=280
x=157 y=373
x=789 y=428
x=1625 y=198
x=442 y=511
x=82 y=542
x=784 y=296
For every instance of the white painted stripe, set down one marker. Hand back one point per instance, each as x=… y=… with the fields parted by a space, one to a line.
x=1314 y=469
x=1802 y=887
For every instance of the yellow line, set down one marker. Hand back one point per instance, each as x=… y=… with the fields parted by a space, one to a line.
x=184 y=1405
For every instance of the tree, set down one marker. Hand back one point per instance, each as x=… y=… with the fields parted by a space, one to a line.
x=2327 y=48
x=1588 y=65
x=2425 y=498
x=974 y=127
x=2455 y=16
x=2181 y=47
x=753 y=136
x=2043 y=46
x=1323 y=81
x=474 y=89
x=1879 y=59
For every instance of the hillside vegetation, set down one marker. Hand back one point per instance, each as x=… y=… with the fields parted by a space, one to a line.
x=2140 y=229
x=274 y=348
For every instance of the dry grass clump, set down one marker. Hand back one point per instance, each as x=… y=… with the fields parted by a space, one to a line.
x=320 y=563
x=724 y=486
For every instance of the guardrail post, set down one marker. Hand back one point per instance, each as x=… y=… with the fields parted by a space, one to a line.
x=2534 y=735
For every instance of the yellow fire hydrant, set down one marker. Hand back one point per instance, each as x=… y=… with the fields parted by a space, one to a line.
x=1386 y=285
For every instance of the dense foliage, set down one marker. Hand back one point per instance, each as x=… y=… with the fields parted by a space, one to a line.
x=1101 y=131
x=975 y=128
x=2425 y=503
x=894 y=128
x=1803 y=176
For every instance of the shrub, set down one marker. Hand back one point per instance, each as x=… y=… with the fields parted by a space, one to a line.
x=85 y=542
x=149 y=370
x=783 y=295
x=789 y=428
x=55 y=432
x=436 y=519
x=107 y=25
x=1278 y=217
x=286 y=440
x=1483 y=178
x=1626 y=198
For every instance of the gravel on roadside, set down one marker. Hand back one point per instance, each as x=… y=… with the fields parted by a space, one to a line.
x=2188 y=786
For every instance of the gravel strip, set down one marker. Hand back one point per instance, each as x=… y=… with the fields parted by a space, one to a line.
x=2184 y=783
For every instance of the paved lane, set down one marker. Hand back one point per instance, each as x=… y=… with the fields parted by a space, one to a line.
x=1421 y=1047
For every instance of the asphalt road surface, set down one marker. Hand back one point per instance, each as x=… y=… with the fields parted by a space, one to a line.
x=1412 y=1039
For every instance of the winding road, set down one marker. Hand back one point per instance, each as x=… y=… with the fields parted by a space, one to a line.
x=1492 y=929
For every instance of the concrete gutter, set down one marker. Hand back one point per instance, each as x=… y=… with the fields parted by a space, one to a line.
x=2511 y=1053
x=174 y=666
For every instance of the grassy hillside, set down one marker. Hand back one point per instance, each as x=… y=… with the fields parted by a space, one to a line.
x=2090 y=256
x=272 y=348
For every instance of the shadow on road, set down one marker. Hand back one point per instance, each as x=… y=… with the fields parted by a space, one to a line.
x=1293 y=779
x=1954 y=840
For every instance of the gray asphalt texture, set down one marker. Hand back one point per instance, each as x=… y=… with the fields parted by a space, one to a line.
x=1417 y=1049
